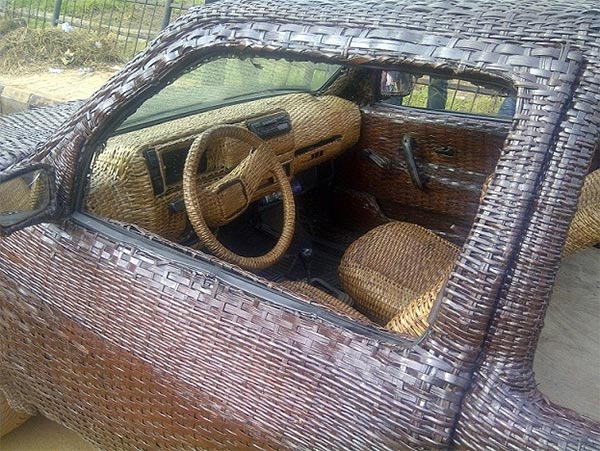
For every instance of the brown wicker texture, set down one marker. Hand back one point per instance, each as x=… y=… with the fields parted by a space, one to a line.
x=392 y=265
x=224 y=200
x=16 y=195
x=137 y=346
x=454 y=156
x=584 y=230
x=505 y=379
x=121 y=189
x=313 y=293
x=373 y=277
x=22 y=132
x=9 y=418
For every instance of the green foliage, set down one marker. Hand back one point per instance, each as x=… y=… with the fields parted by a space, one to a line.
x=461 y=101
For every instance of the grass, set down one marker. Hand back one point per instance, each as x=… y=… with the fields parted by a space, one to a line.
x=133 y=22
x=8 y=25
x=459 y=100
x=71 y=7
x=25 y=49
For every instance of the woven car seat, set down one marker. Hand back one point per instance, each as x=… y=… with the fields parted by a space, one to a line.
x=394 y=273
x=585 y=226
x=324 y=298
x=9 y=418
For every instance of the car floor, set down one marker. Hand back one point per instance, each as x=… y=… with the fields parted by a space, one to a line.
x=567 y=363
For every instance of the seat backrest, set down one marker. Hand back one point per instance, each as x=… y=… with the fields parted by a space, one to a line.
x=388 y=268
x=585 y=226
x=584 y=231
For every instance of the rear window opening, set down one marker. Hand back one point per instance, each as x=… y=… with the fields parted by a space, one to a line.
x=436 y=92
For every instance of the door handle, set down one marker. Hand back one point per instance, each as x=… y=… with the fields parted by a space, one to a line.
x=411 y=165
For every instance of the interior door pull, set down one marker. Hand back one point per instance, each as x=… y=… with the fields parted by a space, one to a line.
x=380 y=161
x=411 y=165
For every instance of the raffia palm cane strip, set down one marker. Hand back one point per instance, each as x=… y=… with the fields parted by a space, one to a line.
x=585 y=226
x=9 y=418
x=16 y=195
x=121 y=188
x=324 y=298
x=221 y=201
x=584 y=230
x=393 y=265
x=583 y=233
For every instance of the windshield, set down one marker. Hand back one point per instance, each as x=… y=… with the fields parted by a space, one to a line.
x=227 y=80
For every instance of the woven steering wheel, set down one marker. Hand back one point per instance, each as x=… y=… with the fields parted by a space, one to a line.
x=220 y=202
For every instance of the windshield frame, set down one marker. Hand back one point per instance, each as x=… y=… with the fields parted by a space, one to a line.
x=188 y=110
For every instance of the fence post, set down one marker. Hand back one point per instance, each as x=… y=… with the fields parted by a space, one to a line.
x=167 y=15
x=56 y=13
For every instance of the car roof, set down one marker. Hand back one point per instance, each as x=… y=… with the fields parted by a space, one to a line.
x=517 y=21
x=419 y=28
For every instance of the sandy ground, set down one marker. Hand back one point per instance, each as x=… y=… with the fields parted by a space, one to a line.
x=26 y=91
x=567 y=363
x=70 y=84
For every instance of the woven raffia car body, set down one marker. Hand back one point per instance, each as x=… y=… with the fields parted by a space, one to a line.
x=117 y=327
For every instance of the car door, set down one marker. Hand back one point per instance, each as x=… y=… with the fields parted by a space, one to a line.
x=135 y=341
x=426 y=163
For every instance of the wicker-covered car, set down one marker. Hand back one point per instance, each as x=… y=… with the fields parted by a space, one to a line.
x=306 y=225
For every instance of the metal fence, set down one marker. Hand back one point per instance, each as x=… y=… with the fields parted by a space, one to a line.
x=132 y=22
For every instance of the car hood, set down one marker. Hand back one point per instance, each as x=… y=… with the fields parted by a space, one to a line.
x=20 y=133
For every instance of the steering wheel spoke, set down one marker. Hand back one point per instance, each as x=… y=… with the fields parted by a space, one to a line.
x=224 y=200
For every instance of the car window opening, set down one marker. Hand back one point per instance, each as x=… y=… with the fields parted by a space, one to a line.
x=311 y=179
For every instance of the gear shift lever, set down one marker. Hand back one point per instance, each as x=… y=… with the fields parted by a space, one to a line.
x=306 y=255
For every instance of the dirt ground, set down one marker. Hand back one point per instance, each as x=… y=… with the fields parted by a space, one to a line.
x=567 y=363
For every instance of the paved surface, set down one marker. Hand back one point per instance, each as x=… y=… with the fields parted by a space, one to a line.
x=23 y=92
x=567 y=363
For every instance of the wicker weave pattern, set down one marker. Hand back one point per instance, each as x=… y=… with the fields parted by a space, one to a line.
x=274 y=377
x=16 y=195
x=412 y=317
x=392 y=265
x=584 y=230
x=121 y=189
x=9 y=418
x=274 y=398
x=453 y=182
x=313 y=293
x=22 y=132
x=212 y=205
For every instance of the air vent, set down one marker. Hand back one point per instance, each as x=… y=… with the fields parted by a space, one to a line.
x=153 y=165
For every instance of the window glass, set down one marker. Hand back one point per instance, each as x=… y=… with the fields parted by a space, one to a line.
x=446 y=94
x=227 y=80
x=23 y=197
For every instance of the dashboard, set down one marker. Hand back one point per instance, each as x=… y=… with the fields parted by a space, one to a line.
x=136 y=177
